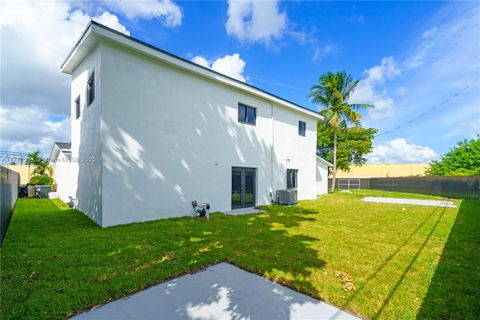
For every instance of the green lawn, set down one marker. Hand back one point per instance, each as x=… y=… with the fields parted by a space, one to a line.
x=376 y=260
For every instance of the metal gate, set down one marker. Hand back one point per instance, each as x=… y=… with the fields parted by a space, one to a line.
x=348 y=183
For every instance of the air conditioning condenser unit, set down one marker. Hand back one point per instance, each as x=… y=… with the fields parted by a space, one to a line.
x=287 y=196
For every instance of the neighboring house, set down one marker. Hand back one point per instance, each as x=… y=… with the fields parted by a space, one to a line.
x=322 y=175
x=152 y=132
x=385 y=170
x=64 y=170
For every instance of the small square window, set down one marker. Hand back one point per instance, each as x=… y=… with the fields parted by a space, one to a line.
x=247 y=114
x=77 y=108
x=91 y=89
x=292 y=178
x=302 y=128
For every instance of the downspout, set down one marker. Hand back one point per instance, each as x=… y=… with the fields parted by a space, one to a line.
x=272 y=149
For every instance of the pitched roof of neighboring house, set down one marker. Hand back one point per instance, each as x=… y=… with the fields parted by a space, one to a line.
x=63 y=145
x=60 y=147
x=94 y=32
x=325 y=161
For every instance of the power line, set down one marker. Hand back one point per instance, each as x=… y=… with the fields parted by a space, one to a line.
x=279 y=84
x=9 y=157
x=433 y=108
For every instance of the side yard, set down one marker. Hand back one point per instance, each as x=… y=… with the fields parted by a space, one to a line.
x=376 y=260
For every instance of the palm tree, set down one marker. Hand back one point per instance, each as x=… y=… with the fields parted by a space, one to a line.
x=41 y=166
x=332 y=91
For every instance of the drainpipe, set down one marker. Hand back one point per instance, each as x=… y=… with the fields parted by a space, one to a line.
x=272 y=151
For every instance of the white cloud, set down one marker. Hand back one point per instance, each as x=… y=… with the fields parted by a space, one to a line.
x=25 y=129
x=44 y=144
x=321 y=52
x=111 y=21
x=49 y=29
x=442 y=103
x=307 y=36
x=371 y=89
x=230 y=65
x=399 y=151
x=253 y=21
x=423 y=51
x=36 y=38
x=201 y=61
x=387 y=69
x=256 y=21
x=430 y=33
x=166 y=10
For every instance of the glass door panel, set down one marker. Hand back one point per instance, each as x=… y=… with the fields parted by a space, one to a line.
x=249 y=188
x=236 y=187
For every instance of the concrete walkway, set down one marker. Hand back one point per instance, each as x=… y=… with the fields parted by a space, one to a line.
x=222 y=291
x=244 y=211
x=433 y=203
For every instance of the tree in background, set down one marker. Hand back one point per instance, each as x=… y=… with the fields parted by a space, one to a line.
x=462 y=160
x=41 y=166
x=332 y=92
x=42 y=170
x=353 y=144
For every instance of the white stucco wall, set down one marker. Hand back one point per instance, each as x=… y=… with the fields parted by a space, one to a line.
x=66 y=174
x=293 y=151
x=321 y=177
x=170 y=137
x=86 y=142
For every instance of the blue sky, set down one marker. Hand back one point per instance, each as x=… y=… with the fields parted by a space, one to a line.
x=409 y=56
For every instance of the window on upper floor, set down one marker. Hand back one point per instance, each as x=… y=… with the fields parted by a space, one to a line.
x=247 y=114
x=292 y=178
x=302 y=128
x=77 y=107
x=90 y=89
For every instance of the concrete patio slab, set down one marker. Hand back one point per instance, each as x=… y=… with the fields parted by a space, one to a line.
x=433 y=203
x=244 y=211
x=222 y=291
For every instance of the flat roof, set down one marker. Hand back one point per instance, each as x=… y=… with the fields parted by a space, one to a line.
x=95 y=31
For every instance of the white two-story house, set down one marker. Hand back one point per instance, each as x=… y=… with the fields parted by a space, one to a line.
x=151 y=132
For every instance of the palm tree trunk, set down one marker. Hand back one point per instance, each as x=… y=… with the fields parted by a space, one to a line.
x=334 y=173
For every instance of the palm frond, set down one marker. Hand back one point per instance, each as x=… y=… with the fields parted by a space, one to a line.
x=359 y=106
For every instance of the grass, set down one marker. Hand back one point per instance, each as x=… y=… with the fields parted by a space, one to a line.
x=422 y=262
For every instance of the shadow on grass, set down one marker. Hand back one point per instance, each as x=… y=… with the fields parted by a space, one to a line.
x=437 y=213
x=68 y=263
x=454 y=290
x=410 y=264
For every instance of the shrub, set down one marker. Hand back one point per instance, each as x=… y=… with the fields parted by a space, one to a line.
x=41 y=179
